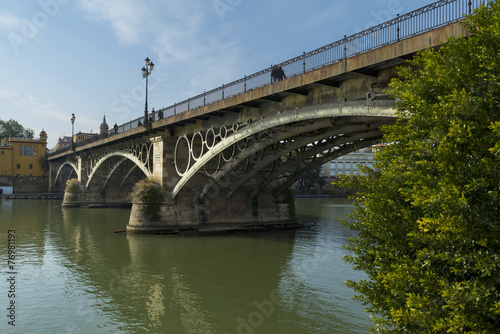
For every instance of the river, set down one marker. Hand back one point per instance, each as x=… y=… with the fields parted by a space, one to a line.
x=71 y=274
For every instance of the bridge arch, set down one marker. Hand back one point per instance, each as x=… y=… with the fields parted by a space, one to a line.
x=72 y=165
x=333 y=146
x=297 y=121
x=125 y=156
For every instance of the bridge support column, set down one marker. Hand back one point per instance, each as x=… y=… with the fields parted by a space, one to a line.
x=163 y=151
x=79 y=169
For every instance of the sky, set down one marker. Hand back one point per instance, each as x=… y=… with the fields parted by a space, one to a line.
x=59 y=57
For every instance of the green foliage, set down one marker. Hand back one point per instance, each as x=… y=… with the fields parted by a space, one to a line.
x=11 y=128
x=73 y=186
x=309 y=180
x=149 y=193
x=428 y=218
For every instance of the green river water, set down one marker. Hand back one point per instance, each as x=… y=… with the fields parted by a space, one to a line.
x=71 y=274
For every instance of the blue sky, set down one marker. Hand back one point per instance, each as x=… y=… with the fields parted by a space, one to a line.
x=59 y=57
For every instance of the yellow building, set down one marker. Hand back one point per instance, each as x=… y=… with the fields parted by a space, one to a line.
x=5 y=158
x=24 y=157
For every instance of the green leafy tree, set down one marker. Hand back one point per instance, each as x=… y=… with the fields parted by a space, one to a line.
x=428 y=220
x=308 y=181
x=12 y=128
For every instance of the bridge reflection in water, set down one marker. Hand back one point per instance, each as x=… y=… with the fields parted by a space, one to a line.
x=78 y=277
x=226 y=158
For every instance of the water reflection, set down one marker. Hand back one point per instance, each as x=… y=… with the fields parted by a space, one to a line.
x=100 y=282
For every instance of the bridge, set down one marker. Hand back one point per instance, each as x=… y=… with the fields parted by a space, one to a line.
x=226 y=158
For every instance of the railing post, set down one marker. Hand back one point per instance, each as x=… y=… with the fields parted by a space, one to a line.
x=397 y=29
x=345 y=53
x=175 y=108
x=304 y=62
x=223 y=91
x=189 y=102
x=245 y=85
x=470 y=7
x=204 y=100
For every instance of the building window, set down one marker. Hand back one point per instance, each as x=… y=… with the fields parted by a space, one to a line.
x=21 y=150
x=31 y=166
x=18 y=166
x=34 y=150
x=3 y=152
x=28 y=151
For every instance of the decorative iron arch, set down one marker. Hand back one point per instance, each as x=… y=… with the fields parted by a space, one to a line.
x=282 y=118
x=126 y=155
x=66 y=163
x=286 y=149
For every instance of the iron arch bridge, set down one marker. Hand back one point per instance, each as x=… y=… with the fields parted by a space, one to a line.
x=228 y=157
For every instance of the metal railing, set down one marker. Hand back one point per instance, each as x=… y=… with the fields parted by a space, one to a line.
x=421 y=20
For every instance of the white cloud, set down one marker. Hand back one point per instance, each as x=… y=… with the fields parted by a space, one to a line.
x=181 y=34
x=127 y=18
x=35 y=108
x=9 y=22
x=7 y=94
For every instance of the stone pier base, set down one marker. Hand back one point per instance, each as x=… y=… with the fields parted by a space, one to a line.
x=185 y=216
x=76 y=196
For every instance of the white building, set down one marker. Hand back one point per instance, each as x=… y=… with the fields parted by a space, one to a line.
x=348 y=164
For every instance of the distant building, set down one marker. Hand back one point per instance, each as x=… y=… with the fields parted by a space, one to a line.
x=104 y=128
x=348 y=164
x=62 y=143
x=24 y=157
x=81 y=136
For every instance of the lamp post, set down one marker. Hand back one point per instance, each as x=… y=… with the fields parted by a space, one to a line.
x=145 y=74
x=72 y=131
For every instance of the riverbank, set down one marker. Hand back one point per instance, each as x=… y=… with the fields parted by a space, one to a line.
x=61 y=196
x=33 y=196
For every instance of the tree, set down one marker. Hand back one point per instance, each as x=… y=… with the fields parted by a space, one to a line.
x=308 y=181
x=428 y=219
x=12 y=128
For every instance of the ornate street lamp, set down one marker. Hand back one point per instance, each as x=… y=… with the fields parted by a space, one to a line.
x=145 y=74
x=72 y=131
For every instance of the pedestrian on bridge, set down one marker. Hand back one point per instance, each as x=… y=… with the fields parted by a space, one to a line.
x=274 y=73
x=281 y=73
x=277 y=73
